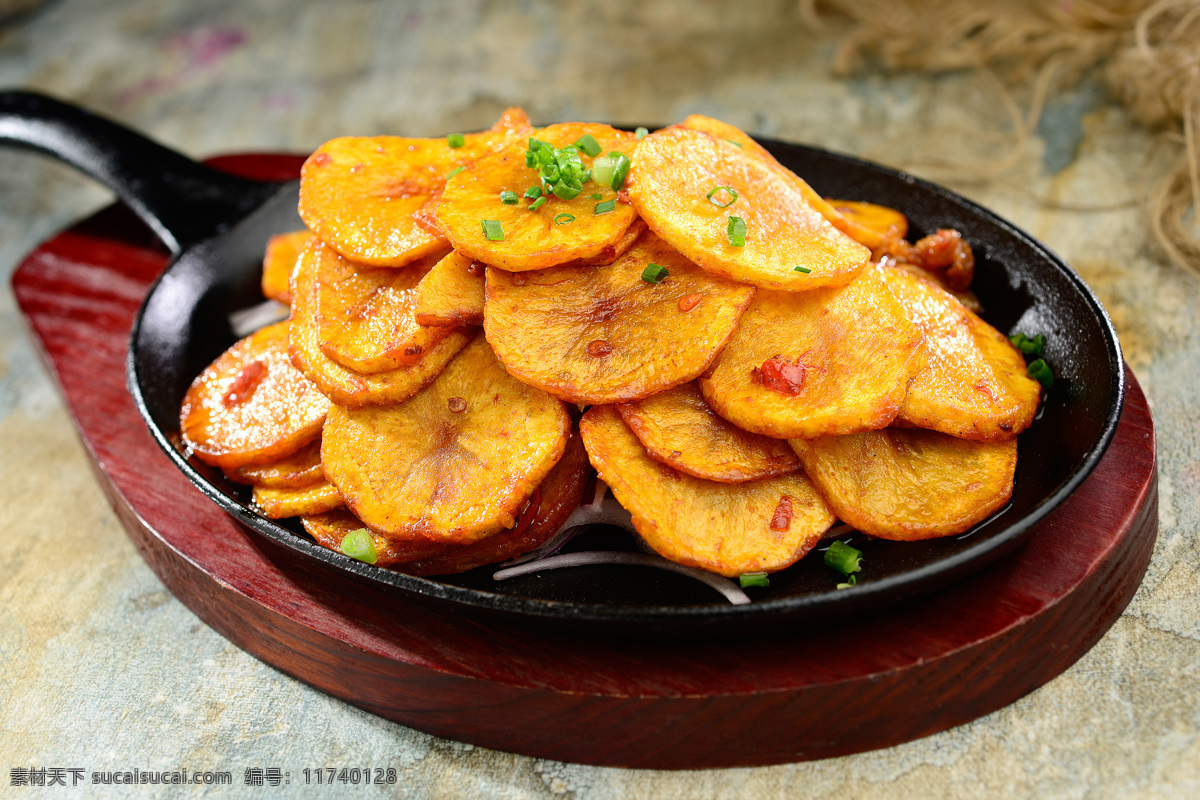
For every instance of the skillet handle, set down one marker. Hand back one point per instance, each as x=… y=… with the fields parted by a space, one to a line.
x=183 y=201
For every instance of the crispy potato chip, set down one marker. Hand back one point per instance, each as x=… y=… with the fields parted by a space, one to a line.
x=731 y=529
x=282 y=503
x=679 y=429
x=603 y=334
x=282 y=251
x=251 y=406
x=816 y=363
x=451 y=293
x=365 y=316
x=359 y=193
x=975 y=384
x=453 y=463
x=302 y=468
x=882 y=220
x=910 y=484
x=848 y=224
x=345 y=386
x=690 y=187
x=544 y=513
x=559 y=232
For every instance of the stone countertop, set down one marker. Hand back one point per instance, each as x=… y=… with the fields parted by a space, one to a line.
x=102 y=669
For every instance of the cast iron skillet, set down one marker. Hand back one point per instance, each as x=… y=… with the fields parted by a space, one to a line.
x=217 y=227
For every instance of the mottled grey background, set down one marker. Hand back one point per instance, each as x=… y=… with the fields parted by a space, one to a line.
x=101 y=668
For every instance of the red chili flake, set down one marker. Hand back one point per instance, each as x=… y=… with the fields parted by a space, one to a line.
x=937 y=250
x=244 y=383
x=457 y=405
x=783 y=376
x=689 y=301
x=599 y=348
x=985 y=390
x=781 y=520
x=476 y=269
x=623 y=198
x=320 y=159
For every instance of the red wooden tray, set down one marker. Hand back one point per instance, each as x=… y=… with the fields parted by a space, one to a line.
x=920 y=669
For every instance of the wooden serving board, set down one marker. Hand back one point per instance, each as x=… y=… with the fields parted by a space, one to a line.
x=920 y=669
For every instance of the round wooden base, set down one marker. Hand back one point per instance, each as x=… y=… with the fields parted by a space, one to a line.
x=920 y=669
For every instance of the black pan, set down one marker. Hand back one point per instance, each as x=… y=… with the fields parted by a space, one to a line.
x=217 y=227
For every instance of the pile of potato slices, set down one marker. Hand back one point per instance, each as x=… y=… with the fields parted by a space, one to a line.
x=477 y=322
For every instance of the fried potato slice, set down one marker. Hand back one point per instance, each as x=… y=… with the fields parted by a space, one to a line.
x=884 y=221
x=731 y=529
x=816 y=363
x=614 y=251
x=544 y=513
x=533 y=239
x=302 y=468
x=848 y=224
x=678 y=428
x=451 y=293
x=602 y=334
x=282 y=251
x=974 y=384
x=251 y=406
x=453 y=463
x=359 y=193
x=318 y=498
x=345 y=386
x=909 y=484
x=675 y=170
x=365 y=315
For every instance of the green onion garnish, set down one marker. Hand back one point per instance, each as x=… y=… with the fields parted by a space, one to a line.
x=729 y=190
x=844 y=558
x=735 y=144
x=493 y=230
x=454 y=172
x=1039 y=370
x=610 y=170
x=533 y=192
x=605 y=207
x=736 y=231
x=805 y=270
x=654 y=273
x=641 y=132
x=1029 y=346
x=536 y=204
x=455 y=140
x=851 y=581
x=563 y=219
x=358 y=545
x=597 y=196
x=753 y=579
x=588 y=144
x=509 y=198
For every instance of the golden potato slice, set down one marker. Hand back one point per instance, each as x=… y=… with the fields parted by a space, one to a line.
x=359 y=193
x=282 y=503
x=558 y=232
x=345 y=386
x=676 y=182
x=847 y=224
x=453 y=463
x=365 y=316
x=251 y=406
x=603 y=334
x=614 y=251
x=818 y=363
x=282 y=251
x=974 y=385
x=731 y=529
x=884 y=221
x=451 y=293
x=546 y=511
x=300 y=469
x=679 y=429
x=910 y=484
x=966 y=297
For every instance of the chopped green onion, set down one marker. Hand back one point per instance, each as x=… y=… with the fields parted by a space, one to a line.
x=563 y=219
x=454 y=172
x=536 y=204
x=509 y=198
x=565 y=191
x=729 y=190
x=753 y=579
x=358 y=545
x=597 y=196
x=654 y=273
x=844 y=558
x=539 y=153
x=736 y=231
x=1039 y=370
x=533 y=192
x=455 y=140
x=493 y=230
x=1029 y=346
x=588 y=144
x=851 y=581
x=605 y=207
x=735 y=144
x=610 y=170
x=805 y=270
x=619 y=173
x=641 y=132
